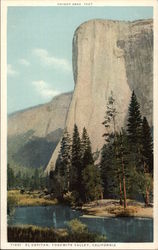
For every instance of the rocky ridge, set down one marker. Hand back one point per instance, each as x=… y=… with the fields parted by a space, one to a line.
x=42 y=119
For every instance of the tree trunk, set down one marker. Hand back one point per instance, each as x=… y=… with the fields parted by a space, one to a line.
x=101 y=195
x=124 y=190
x=146 y=189
x=124 y=184
x=146 y=197
x=121 y=194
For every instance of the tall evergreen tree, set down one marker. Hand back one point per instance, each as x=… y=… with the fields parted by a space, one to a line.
x=134 y=121
x=134 y=131
x=140 y=140
x=110 y=134
x=87 y=156
x=93 y=184
x=35 y=179
x=87 y=159
x=147 y=145
x=110 y=172
x=123 y=159
x=64 y=159
x=76 y=163
x=147 y=155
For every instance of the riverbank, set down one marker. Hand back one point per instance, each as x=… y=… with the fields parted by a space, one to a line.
x=100 y=208
x=112 y=208
x=76 y=232
x=31 y=198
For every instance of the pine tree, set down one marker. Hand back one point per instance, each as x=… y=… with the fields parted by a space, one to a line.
x=134 y=121
x=147 y=154
x=76 y=163
x=93 y=185
x=110 y=125
x=87 y=157
x=147 y=145
x=140 y=141
x=110 y=172
x=64 y=159
x=123 y=159
x=134 y=131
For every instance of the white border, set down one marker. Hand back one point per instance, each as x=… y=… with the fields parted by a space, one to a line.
x=4 y=243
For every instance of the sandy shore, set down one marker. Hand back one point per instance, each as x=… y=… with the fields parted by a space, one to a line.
x=112 y=208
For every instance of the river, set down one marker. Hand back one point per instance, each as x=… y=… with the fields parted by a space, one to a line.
x=123 y=229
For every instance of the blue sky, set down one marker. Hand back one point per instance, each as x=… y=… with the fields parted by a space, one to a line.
x=39 y=49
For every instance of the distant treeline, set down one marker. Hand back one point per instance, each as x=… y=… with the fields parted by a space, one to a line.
x=34 y=181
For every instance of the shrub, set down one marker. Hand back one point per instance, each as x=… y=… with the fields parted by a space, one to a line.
x=38 y=234
x=72 y=198
x=34 y=234
x=75 y=226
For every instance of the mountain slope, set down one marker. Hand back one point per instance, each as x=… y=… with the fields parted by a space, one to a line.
x=42 y=119
x=34 y=133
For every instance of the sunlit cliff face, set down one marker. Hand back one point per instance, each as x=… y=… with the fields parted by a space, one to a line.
x=109 y=56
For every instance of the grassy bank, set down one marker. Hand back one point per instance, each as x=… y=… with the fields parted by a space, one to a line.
x=100 y=208
x=39 y=234
x=30 y=198
x=112 y=208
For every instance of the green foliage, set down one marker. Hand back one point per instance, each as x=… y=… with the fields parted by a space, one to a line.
x=10 y=177
x=105 y=166
x=64 y=161
x=147 y=146
x=134 y=121
x=72 y=160
x=78 y=232
x=59 y=187
x=127 y=157
x=87 y=157
x=69 y=198
x=76 y=163
x=76 y=226
x=110 y=170
x=38 y=234
x=34 y=181
x=33 y=234
x=92 y=183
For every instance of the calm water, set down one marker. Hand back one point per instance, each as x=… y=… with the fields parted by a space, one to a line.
x=57 y=216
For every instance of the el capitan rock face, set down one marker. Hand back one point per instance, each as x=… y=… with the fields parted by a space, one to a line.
x=109 y=56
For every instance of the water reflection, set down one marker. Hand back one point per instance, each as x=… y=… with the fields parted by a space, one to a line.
x=57 y=216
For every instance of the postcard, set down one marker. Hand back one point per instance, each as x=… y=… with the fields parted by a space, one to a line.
x=79 y=99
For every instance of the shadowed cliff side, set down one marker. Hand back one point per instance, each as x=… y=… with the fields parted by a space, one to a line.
x=34 y=133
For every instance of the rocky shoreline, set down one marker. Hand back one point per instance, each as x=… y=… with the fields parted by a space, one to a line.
x=112 y=208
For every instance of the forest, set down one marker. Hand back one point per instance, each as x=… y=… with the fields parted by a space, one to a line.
x=123 y=170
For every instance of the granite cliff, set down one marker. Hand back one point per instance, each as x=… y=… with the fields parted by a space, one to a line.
x=109 y=56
